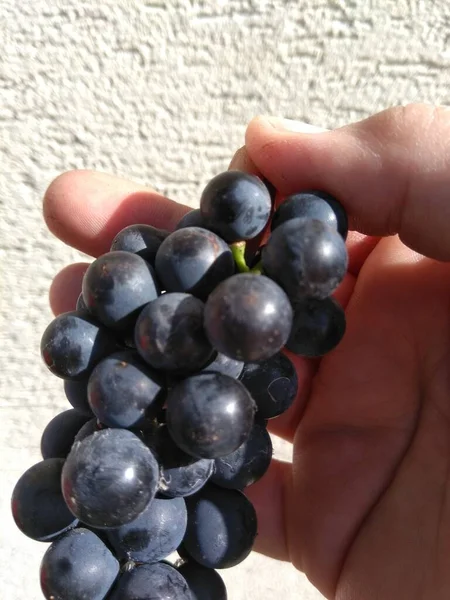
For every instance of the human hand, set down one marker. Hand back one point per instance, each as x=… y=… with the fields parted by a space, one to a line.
x=363 y=510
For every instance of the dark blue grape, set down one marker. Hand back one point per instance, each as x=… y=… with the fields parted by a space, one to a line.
x=193 y=260
x=318 y=327
x=81 y=305
x=59 y=435
x=180 y=474
x=248 y=317
x=204 y=584
x=78 y=566
x=109 y=478
x=154 y=535
x=143 y=240
x=192 y=219
x=74 y=343
x=236 y=205
x=117 y=286
x=76 y=394
x=306 y=257
x=158 y=581
x=122 y=390
x=248 y=463
x=313 y=205
x=273 y=384
x=169 y=333
x=221 y=527
x=37 y=502
x=209 y=415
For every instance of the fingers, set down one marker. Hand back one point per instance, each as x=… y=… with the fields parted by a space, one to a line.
x=86 y=209
x=391 y=171
x=66 y=288
x=269 y=496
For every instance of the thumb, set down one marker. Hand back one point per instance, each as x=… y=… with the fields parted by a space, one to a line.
x=390 y=171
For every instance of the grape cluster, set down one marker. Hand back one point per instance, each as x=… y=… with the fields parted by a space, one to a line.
x=173 y=364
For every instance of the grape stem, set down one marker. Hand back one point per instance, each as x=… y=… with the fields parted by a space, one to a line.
x=238 y=251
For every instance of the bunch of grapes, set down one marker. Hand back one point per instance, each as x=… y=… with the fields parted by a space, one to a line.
x=173 y=364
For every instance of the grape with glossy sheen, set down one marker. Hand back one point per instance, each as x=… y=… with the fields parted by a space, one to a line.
x=318 y=327
x=37 y=503
x=81 y=305
x=59 y=434
x=209 y=415
x=88 y=428
x=192 y=219
x=158 y=581
x=312 y=205
x=221 y=527
x=109 y=478
x=154 y=535
x=273 y=384
x=78 y=566
x=74 y=343
x=180 y=474
x=306 y=257
x=193 y=260
x=122 y=390
x=248 y=317
x=76 y=394
x=143 y=240
x=169 y=333
x=204 y=584
x=248 y=463
x=116 y=286
x=236 y=205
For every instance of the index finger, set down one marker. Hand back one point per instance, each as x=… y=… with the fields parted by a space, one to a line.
x=86 y=209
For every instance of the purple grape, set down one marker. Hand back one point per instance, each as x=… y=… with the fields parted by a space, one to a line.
x=248 y=317
x=143 y=240
x=109 y=478
x=59 y=435
x=193 y=260
x=76 y=394
x=192 y=219
x=236 y=205
x=306 y=257
x=158 y=581
x=37 y=503
x=204 y=584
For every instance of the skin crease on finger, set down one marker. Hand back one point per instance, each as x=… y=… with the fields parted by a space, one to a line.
x=365 y=511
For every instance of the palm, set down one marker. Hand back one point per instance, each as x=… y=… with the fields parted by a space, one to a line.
x=371 y=451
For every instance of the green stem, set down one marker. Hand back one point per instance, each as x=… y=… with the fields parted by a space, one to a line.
x=257 y=269
x=238 y=251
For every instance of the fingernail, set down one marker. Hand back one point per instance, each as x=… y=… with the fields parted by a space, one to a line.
x=292 y=125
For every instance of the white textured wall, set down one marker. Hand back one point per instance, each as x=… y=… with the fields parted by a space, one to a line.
x=161 y=91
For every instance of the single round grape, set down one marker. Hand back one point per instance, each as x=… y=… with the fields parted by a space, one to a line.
x=59 y=434
x=169 y=333
x=76 y=394
x=78 y=566
x=248 y=317
x=313 y=205
x=116 y=286
x=209 y=415
x=318 y=327
x=180 y=474
x=204 y=584
x=306 y=257
x=88 y=428
x=154 y=535
x=193 y=260
x=221 y=527
x=192 y=219
x=74 y=343
x=272 y=383
x=158 y=581
x=143 y=240
x=37 y=502
x=236 y=205
x=248 y=463
x=122 y=390
x=109 y=478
